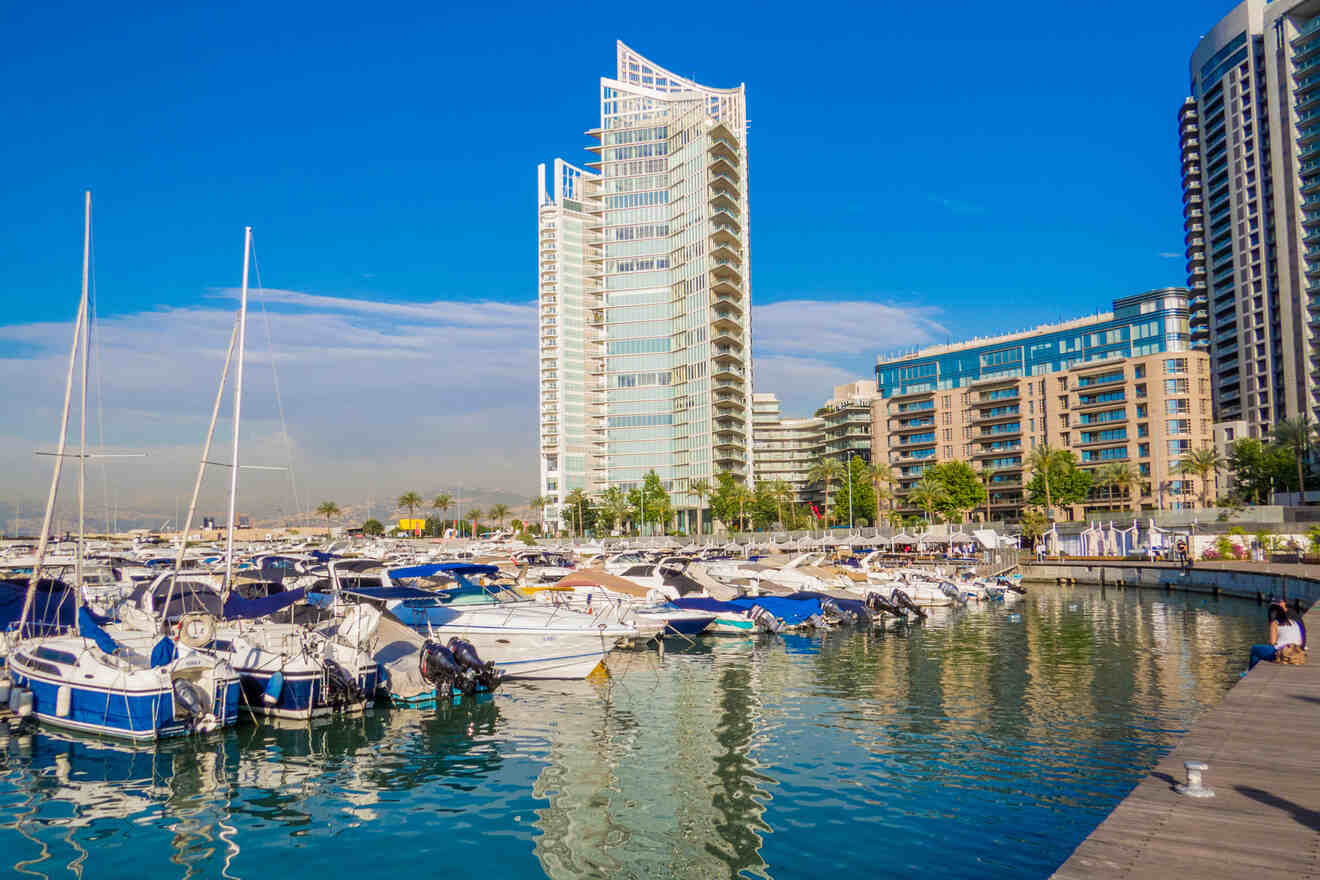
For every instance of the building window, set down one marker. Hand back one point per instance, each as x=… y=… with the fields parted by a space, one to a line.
x=1143 y=430
x=1140 y=371
x=1143 y=450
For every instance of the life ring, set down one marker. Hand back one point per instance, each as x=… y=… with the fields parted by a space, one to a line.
x=196 y=630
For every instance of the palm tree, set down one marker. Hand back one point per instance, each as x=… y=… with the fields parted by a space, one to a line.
x=442 y=503
x=700 y=488
x=781 y=491
x=410 y=500
x=1127 y=480
x=539 y=503
x=500 y=511
x=475 y=515
x=1295 y=435
x=328 y=509
x=1104 y=478
x=576 y=499
x=881 y=476
x=1204 y=463
x=928 y=494
x=614 y=502
x=826 y=471
x=1042 y=460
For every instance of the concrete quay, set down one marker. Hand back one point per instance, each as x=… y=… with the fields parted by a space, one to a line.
x=1247 y=580
x=1264 y=767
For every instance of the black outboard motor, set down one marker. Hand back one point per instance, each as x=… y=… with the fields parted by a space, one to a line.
x=440 y=667
x=903 y=601
x=466 y=654
x=953 y=593
x=765 y=621
x=880 y=605
x=341 y=687
x=190 y=698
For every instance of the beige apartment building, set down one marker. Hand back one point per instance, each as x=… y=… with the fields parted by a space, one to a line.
x=1123 y=386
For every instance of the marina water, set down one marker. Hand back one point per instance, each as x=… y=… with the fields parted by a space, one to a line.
x=985 y=743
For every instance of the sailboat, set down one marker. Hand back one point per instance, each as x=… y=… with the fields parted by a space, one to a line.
x=288 y=669
x=127 y=684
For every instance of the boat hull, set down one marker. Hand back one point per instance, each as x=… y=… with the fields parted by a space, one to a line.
x=303 y=695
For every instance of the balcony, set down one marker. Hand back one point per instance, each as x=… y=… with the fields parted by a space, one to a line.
x=726 y=269
x=724 y=234
x=728 y=301
x=723 y=287
x=997 y=414
x=727 y=323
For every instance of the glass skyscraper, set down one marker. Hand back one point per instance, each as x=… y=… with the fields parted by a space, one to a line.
x=1250 y=145
x=644 y=291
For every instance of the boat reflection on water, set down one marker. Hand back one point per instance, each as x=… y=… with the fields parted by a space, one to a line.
x=637 y=787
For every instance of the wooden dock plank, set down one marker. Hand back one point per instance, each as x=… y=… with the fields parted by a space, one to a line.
x=1260 y=744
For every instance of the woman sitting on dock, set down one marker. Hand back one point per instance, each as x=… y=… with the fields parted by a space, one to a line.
x=1283 y=631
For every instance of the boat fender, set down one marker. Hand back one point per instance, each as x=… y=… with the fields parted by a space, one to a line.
x=274 y=687
x=63 y=701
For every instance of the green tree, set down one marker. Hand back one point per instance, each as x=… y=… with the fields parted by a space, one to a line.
x=1043 y=461
x=1204 y=464
x=575 y=501
x=826 y=471
x=782 y=493
x=499 y=511
x=1257 y=468
x=700 y=488
x=1294 y=435
x=856 y=480
x=474 y=515
x=373 y=528
x=328 y=509
x=882 y=481
x=987 y=481
x=962 y=488
x=929 y=494
x=650 y=502
x=613 y=508
x=442 y=503
x=724 y=499
x=1061 y=482
x=538 y=503
x=1034 y=523
x=409 y=500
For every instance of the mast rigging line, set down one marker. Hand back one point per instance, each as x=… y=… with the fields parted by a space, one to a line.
x=279 y=398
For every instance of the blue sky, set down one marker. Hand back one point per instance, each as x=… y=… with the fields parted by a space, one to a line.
x=962 y=169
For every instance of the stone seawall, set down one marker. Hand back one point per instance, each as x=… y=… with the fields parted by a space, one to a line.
x=1300 y=583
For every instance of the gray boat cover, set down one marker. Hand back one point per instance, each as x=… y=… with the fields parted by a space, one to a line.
x=398 y=657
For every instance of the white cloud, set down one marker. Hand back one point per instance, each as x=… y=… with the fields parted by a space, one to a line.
x=380 y=397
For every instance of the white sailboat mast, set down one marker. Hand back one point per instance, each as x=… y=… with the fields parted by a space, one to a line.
x=238 y=410
x=82 y=429
x=44 y=541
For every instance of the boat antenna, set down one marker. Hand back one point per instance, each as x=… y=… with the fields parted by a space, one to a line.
x=44 y=539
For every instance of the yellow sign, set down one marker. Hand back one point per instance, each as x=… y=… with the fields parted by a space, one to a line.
x=412 y=525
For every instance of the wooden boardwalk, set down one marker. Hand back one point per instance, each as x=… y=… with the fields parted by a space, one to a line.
x=1262 y=744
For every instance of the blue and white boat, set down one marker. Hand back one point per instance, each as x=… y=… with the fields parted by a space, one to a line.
x=525 y=639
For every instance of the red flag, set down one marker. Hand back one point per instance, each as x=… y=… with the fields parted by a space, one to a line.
x=816 y=511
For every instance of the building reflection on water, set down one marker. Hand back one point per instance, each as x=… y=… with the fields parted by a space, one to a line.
x=720 y=760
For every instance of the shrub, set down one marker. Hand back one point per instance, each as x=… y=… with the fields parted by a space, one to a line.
x=1211 y=553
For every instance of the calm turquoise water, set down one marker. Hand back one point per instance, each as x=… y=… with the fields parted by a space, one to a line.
x=987 y=743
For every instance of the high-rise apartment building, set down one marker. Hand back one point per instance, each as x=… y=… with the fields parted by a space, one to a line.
x=1250 y=144
x=786 y=449
x=645 y=293
x=1122 y=387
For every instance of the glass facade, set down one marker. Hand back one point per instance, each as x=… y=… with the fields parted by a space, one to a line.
x=666 y=352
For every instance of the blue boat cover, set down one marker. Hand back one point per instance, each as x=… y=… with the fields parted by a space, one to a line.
x=791 y=611
x=52 y=606
x=462 y=568
x=238 y=608
x=388 y=593
x=419 y=571
x=701 y=603
x=322 y=556
x=89 y=629
x=851 y=606
x=163 y=653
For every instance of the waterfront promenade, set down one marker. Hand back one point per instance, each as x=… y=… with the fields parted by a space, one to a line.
x=1264 y=765
x=1248 y=580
